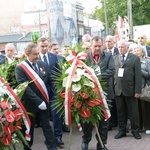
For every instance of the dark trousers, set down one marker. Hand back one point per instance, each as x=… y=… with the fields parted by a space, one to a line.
x=127 y=107
x=47 y=130
x=113 y=110
x=103 y=131
x=144 y=107
x=57 y=121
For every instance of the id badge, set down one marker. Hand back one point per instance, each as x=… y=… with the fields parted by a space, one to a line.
x=120 y=72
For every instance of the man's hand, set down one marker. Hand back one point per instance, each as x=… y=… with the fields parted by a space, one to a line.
x=42 y=106
x=137 y=95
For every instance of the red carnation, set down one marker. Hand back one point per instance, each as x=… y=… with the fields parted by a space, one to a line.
x=17 y=114
x=91 y=103
x=84 y=95
x=16 y=58
x=98 y=102
x=85 y=112
x=62 y=94
x=77 y=104
x=6 y=139
x=8 y=129
x=17 y=126
x=4 y=104
x=10 y=117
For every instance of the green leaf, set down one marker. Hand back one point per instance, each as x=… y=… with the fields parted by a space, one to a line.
x=22 y=138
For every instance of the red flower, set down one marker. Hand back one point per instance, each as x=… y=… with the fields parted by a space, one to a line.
x=6 y=139
x=73 y=98
x=62 y=94
x=8 y=129
x=17 y=126
x=16 y=58
x=10 y=117
x=95 y=90
x=91 y=103
x=98 y=102
x=85 y=112
x=4 y=104
x=84 y=95
x=77 y=104
x=18 y=114
x=23 y=55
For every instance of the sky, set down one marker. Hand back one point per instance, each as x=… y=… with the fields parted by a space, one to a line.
x=89 y=5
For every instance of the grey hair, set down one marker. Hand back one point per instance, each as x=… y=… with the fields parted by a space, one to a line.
x=125 y=42
x=111 y=37
x=86 y=36
x=140 y=47
x=29 y=48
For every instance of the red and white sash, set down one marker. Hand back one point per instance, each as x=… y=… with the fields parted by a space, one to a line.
x=36 y=79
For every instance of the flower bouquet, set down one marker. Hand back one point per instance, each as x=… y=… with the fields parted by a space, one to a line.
x=80 y=95
x=12 y=116
x=12 y=113
x=7 y=70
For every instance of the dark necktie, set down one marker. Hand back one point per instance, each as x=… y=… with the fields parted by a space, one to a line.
x=122 y=59
x=35 y=68
x=45 y=59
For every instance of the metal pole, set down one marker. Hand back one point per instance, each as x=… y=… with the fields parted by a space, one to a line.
x=106 y=23
x=130 y=18
x=40 y=21
x=48 y=19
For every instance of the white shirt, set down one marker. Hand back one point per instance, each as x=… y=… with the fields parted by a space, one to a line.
x=42 y=55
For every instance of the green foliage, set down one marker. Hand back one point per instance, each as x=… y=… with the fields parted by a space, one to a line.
x=140 y=11
x=7 y=71
x=148 y=42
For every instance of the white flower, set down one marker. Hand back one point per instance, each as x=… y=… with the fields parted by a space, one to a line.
x=76 y=87
x=80 y=71
x=76 y=78
x=88 y=76
x=64 y=82
x=68 y=70
x=89 y=83
x=15 y=91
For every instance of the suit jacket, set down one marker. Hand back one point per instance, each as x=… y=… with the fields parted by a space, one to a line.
x=115 y=51
x=107 y=67
x=145 y=67
x=2 y=61
x=2 y=57
x=148 y=50
x=131 y=82
x=32 y=97
x=53 y=67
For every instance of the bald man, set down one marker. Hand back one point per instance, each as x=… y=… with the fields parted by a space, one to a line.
x=142 y=41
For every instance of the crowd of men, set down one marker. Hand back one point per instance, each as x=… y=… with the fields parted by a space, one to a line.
x=121 y=68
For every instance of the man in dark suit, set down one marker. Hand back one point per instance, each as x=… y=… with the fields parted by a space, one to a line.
x=9 y=53
x=105 y=62
x=2 y=57
x=128 y=84
x=110 y=45
x=142 y=41
x=51 y=60
x=36 y=98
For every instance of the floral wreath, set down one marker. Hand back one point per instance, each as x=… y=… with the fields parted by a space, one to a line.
x=80 y=96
